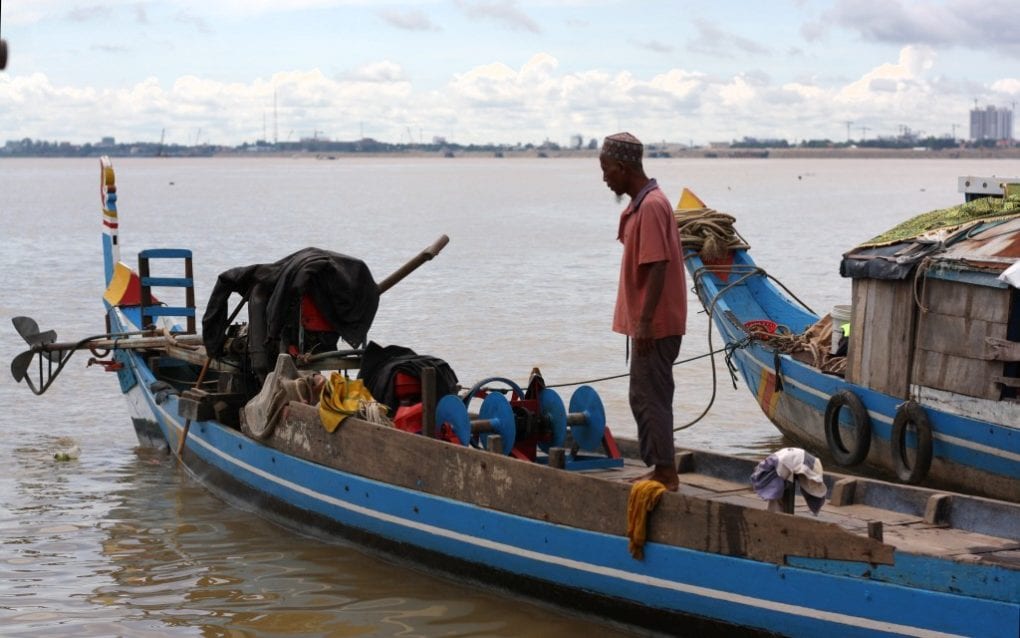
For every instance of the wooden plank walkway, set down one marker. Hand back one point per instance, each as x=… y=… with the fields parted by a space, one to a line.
x=904 y=530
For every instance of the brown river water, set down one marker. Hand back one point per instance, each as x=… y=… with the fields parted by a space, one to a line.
x=122 y=542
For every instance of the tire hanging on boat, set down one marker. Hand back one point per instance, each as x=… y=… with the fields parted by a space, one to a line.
x=860 y=445
x=911 y=413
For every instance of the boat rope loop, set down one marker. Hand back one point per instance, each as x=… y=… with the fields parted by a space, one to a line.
x=708 y=232
x=783 y=340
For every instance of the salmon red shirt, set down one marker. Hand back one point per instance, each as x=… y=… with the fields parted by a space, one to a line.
x=649 y=234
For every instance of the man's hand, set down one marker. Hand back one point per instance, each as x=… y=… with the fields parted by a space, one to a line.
x=643 y=338
x=655 y=273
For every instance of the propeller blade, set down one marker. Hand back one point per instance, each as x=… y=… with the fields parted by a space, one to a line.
x=29 y=331
x=26 y=327
x=19 y=366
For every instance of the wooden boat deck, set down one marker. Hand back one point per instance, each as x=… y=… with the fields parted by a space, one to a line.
x=915 y=520
x=988 y=541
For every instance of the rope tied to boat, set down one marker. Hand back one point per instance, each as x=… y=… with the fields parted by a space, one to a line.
x=809 y=341
x=708 y=232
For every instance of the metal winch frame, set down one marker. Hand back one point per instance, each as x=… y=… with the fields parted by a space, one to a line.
x=531 y=424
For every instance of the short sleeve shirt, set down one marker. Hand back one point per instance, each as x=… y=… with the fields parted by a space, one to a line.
x=649 y=234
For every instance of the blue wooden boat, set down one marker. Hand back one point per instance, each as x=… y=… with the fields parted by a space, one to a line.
x=925 y=388
x=548 y=518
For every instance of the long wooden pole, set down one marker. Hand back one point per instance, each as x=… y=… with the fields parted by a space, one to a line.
x=124 y=343
x=413 y=264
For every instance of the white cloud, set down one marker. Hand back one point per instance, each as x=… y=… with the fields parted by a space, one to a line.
x=738 y=93
x=384 y=71
x=906 y=72
x=1007 y=85
x=498 y=103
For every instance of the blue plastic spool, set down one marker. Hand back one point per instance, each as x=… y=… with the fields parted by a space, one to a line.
x=555 y=413
x=587 y=418
x=496 y=417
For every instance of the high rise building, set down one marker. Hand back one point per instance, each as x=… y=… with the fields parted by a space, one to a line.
x=991 y=124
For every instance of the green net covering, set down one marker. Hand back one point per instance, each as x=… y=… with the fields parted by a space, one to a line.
x=948 y=218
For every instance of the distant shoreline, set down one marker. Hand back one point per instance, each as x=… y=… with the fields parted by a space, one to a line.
x=699 y=153
x=651 y=152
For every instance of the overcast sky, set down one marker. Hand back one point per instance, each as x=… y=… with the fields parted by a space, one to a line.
x=501 y=71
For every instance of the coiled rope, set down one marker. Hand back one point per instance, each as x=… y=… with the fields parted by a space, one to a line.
x=708 y=232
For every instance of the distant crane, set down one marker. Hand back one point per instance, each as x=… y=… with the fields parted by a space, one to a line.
x=864 y=132
x=848 y=123
x=159 y=149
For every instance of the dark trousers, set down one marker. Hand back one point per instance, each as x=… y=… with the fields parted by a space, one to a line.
x=651 y=399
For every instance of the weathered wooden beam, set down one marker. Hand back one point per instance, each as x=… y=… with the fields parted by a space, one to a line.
x=494 y=443
x=843 y=492
x=557 y=458
x=524 y=489
x=428 y=402
x=936 y=510
x=685 y=462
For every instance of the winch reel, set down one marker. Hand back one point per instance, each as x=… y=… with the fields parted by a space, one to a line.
x=586 y=417
x=496 y=417
x=537 y=418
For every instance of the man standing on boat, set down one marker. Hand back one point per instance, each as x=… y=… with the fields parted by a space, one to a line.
x=651 y=303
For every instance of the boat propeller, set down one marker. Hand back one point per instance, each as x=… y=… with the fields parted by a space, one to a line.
x=52 y=356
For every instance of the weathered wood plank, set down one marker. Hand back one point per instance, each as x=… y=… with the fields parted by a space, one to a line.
x=958 y=336
x=966 y=300
x=881 y=342
x=855 y=348
x=970 y=377
x=566 y=498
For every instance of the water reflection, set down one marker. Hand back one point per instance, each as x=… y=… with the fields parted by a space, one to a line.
x=179 y=557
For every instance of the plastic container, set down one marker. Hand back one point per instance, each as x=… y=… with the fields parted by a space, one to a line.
x=408 y=418
x=841 y=315
x=406 y=387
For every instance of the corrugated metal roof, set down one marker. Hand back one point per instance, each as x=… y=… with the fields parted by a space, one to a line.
x=991 y=245
x=986 y=245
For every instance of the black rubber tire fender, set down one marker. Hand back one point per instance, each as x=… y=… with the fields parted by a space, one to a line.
x=860 y=445
x=908 y=413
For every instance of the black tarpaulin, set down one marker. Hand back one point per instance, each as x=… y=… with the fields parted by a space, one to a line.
x=341 y=287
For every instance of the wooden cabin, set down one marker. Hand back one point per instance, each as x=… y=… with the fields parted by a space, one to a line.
x=927 y=313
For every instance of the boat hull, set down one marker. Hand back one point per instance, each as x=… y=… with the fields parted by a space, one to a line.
x=448 y=518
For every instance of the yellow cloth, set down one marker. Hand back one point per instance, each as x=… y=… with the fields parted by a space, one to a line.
x=644 y=496
x=341 y=398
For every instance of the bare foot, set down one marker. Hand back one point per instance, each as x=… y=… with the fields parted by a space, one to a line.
x=666 y=474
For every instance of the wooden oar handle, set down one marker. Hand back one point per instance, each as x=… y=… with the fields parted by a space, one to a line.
x=413 y=265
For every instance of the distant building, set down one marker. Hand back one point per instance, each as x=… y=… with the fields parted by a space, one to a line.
x=991 y=124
